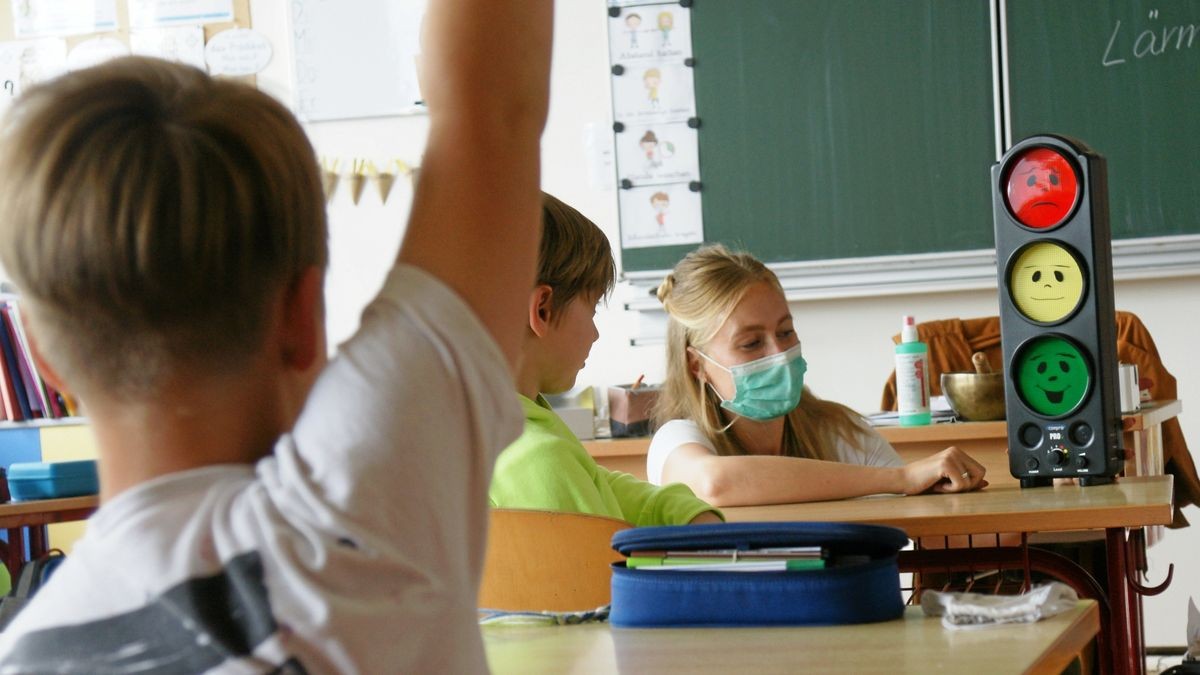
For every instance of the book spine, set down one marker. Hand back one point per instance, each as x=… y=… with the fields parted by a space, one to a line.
x=14 y=370
x=38 y=384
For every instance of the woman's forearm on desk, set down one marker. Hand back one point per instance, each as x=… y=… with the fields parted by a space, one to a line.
x=745 y=480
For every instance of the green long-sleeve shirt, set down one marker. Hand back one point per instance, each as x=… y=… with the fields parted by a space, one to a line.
x=548 y=468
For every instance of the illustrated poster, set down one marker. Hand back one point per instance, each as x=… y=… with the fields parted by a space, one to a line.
x=660 y=215
x=653 y=93
x=650 y=33
x=658 y=153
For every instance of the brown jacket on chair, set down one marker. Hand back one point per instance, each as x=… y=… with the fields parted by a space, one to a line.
x=952 y=342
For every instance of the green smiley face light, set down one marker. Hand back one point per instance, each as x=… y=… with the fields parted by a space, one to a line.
x=1053 y=376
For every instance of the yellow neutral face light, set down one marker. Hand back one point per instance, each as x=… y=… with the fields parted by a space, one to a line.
x=1046 y=282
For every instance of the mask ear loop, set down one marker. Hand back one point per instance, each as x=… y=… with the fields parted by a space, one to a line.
x=703 y=381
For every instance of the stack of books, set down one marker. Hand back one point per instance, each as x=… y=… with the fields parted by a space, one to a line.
x=24 y=395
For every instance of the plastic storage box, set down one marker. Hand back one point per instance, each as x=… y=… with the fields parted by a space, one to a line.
x=860 y=583
x=51 y=480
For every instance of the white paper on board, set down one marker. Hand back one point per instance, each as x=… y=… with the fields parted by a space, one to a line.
x=95 y=51
x=239 y=51
x=161 y=13
x=653 y=93
x=182 y=44
x=660 y=215
x=46 y=18
x=652 y=154
x=661 y=32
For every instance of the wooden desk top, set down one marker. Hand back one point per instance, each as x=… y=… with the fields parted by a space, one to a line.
x=1130 y=502
x=914 y=644
x=47 y=511
x=1152 y=413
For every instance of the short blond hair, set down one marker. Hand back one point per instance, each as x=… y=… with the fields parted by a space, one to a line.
x=575 y=258
x=698 y=296
x=151 y=213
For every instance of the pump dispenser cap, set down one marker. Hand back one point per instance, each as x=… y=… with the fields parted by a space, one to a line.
x=908 y=330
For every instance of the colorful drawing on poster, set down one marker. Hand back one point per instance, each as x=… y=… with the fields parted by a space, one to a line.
x=654 y=94
x=660 y=215
x=666 y=21
x=661 y=32
x=658 y=153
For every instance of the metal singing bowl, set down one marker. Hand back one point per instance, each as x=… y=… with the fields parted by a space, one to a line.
x=976 y=397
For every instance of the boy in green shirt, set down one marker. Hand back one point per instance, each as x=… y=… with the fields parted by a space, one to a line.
x=547 y=467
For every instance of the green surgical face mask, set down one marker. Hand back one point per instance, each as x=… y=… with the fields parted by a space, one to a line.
x=765 y=388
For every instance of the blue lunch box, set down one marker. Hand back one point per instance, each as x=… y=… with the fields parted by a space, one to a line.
x=859 y=584
x=51 y=480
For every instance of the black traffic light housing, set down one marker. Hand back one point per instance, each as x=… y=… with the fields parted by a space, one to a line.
x=1057 y=324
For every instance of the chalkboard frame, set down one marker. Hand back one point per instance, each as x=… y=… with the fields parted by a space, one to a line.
x=1142 y=257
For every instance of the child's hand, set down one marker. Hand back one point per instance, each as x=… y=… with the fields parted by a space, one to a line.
x=706 y=517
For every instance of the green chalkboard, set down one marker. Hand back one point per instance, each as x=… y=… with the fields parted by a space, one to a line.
x=1123 y=77
x=841 y=128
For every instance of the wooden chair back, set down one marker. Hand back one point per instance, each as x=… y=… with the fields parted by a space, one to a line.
x=548 y=561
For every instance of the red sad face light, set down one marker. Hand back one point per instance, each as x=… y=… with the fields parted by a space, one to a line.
x=1042 y=188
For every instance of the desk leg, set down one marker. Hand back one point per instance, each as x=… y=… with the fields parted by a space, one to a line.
x=38 y=541
x=1128 y=648
x=14 y=553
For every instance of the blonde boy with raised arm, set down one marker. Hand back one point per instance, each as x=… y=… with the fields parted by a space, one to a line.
x=547 y=467
x=262 y=509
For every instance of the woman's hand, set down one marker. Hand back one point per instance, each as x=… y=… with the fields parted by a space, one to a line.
x=950 y=470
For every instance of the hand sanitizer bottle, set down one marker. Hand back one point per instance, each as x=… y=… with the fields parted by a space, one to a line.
x=912 y=377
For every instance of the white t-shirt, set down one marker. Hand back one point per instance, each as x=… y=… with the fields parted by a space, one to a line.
x=356 y=547
x=874 y=450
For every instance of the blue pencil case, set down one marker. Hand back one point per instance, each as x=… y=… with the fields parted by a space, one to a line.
x=860 y=582
x=50 y=480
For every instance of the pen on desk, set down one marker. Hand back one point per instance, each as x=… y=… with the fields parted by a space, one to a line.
x=637 y=383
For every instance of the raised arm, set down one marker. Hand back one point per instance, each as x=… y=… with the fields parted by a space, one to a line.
x=476 y=214
x=744 y=480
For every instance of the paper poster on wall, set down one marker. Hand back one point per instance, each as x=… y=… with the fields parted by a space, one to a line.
x=95 y=51
x=355 y=58
x=660 y=215
x=658 y=153
x=161 y=13
x=27 y=62
x=183 y=44
x=652 y=93
x=239 y=51
x=650 y=32
x=44 y=18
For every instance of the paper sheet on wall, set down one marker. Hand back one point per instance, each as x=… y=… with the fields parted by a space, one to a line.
x=660 y=215
x=650 y=93
x=240 y=51
x=355 y=58
x=43 y=18
x=27 y=62
x=661 y=32
x=161 y=13
x=658 y=153
x=184 y=44
x=95 y=51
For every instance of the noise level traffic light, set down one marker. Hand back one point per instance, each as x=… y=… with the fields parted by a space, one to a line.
x=1054 y=263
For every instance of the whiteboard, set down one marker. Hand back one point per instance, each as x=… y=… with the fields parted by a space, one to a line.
x=355 y=58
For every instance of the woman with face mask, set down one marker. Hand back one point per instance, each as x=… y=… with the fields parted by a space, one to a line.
x=735 y=421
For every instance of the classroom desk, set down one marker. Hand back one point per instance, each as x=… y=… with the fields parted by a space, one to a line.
x=1129 y=504
x=34 y=515
x=985 y=441
x=913 y=644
